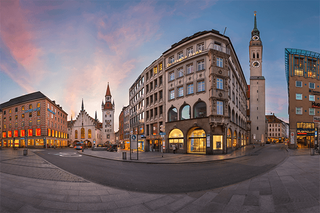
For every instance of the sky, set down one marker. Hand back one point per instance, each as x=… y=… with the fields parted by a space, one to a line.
x=69 y=50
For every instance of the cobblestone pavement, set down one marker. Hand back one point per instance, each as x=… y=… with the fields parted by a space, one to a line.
x=13 y=162
x=292 y=186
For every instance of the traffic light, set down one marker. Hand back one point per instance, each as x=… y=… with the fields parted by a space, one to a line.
x=162 y=128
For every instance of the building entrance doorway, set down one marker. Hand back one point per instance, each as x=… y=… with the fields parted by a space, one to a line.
x=197 y=141
x=305 y=141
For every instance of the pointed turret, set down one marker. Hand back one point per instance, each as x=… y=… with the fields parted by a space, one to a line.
x=82 y=106
x=108 y=93
x=255 y=34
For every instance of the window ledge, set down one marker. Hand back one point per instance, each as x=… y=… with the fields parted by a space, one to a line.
x=201 y=70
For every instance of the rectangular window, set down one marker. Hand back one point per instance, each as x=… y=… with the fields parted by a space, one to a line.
x=160 y=67
x=219 y=62
x=200 y=86
x=171 y=94
x=200 y=65
x=311 y=85
x=219 y=107
x=189 y=68
x=298 y=96
x=190 y=51
x=180 y=72
x=311 y=111
x=298 y=84
x=219 y=83
x=200 y=47
x=160 y=95
x=171 y=59
x=180 y=91
x=311 y=98
x=299 y=110
x=155 y=70
x=171 y=76
x=190 y=89
x=180 y=55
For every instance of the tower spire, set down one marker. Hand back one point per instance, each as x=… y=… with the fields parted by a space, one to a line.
x=255 y=20
x=96 y=118
x=82 y=106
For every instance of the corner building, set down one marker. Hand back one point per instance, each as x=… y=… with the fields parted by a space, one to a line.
x=302 y=72
x=33 y=120
x=205 y=91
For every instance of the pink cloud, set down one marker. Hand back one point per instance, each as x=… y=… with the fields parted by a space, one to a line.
x=17 y=37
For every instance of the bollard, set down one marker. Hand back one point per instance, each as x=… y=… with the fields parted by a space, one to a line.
x=124 y=155
x=25 y=152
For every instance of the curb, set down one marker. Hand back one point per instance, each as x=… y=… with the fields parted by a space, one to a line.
x=207 y=161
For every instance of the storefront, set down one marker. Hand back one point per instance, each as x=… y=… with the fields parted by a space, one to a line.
x=305 y=135
x=197 y=141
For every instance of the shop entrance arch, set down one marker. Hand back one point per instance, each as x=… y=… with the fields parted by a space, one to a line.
x=196 y=141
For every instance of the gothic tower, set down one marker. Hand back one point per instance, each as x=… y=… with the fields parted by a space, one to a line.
x=108 y=134
x=257 y=86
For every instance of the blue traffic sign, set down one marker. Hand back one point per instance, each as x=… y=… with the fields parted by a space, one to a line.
x=162 y=133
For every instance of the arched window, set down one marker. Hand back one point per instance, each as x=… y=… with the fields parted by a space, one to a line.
x=89 y=133
x=200 y=110
x=82 y=133
x=185 y=112
x=30 y=106
x=253 y=55
x=197 y=141
x=237 y=118
x=76 y=134
x=257 y=55
x=173 y=114
x=176 y=138
x=232 y=118
x=229 y=138
x=234 y=139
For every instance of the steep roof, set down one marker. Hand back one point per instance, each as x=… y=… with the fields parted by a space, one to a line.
x=108 y=93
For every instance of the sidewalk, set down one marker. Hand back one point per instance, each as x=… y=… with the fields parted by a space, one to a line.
x=292 y=186
x=170 y=158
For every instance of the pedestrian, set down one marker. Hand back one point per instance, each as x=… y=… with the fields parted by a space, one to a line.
x=174 y=149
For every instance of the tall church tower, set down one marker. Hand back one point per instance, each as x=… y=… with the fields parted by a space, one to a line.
x=108 y=134
x=257 y=86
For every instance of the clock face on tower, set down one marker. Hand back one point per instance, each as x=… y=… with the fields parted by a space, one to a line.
x=108 y=112
x=255 y=64
x=255 y=38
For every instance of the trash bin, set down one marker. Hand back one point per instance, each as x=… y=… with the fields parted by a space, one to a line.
x=124 y=155
x=25 y=152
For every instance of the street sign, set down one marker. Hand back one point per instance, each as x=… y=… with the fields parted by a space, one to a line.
x=133 y=142
x=292 y=138
x=162 y=133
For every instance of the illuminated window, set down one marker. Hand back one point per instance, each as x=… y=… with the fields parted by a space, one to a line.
x=30 y=132
x=9 y=118
x=30 y=123
x=155 y=70
x=16 y=116
x=82 y=133
x=9 y=110
x=30 y=106
x=30 y=114
x=22 y=108
x=4 y=126
x=89 y=133
x=16 y=124
x=160 y=67
x=49 y=132
x=38 y=132
x=9 y=134
x=38 y=122
x=38 y=105
x=4 y=134
x=4 y=119
x=22 y=133
x=22 y=123
x=38 y=113
x=22 y=115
